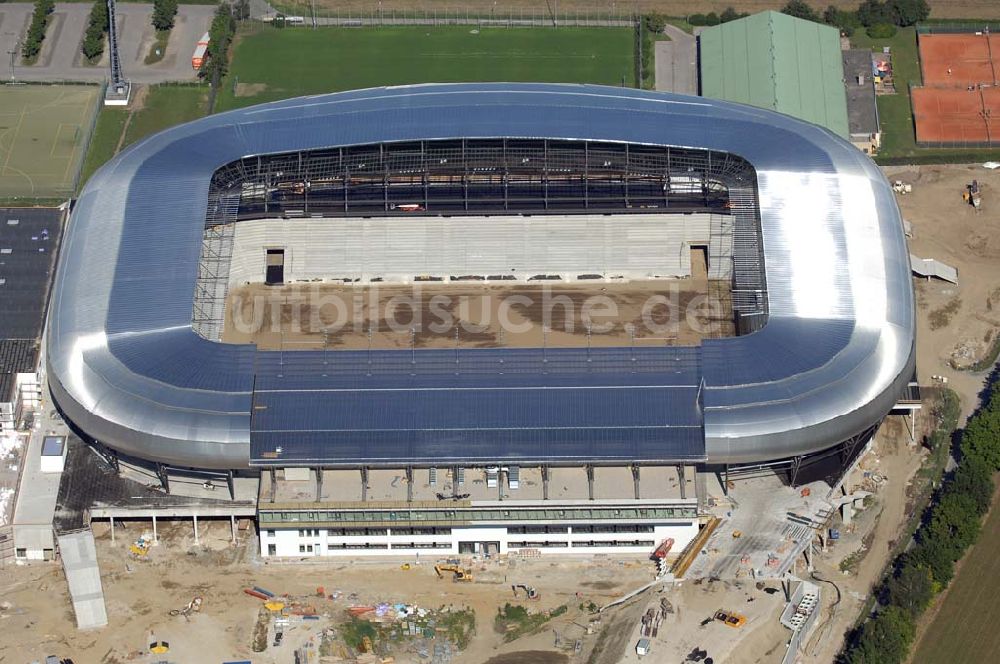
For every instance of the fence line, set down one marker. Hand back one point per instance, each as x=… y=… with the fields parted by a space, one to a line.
x=957 y=28
x=508 y=18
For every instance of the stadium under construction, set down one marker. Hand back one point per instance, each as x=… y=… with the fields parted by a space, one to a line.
x=371 y=438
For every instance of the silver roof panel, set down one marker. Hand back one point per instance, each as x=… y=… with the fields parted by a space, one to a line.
x=836 y=351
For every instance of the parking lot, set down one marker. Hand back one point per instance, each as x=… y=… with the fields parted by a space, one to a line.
x=61 y=59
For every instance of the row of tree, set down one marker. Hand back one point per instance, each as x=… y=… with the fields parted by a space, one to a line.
x=220 y=37
x=97 y=27
x=950 y=525
x=880 y=18
x=32 y=45
x=164 y=14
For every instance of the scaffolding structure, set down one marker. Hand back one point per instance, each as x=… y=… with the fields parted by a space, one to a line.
x=120 y=88
x=485 y=176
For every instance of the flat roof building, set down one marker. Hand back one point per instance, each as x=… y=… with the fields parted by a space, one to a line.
x=862 y=111
x=778 y=62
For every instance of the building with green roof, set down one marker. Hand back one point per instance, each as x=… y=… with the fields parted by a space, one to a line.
x=775 y=61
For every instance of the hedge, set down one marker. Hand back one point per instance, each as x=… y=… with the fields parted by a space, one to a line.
x=36 y=30
x=97 y=26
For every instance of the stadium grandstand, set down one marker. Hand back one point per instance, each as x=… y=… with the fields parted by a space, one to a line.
x=483 y=441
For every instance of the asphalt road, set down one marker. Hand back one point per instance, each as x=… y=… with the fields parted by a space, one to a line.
x=61 y=60
x=677 y=62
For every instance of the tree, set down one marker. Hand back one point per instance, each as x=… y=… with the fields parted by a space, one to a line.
x=97 y=27
x=845 y=21
x=220 y=36
x=32 y=45
x=655 y=22
x=936 y=557
x=873 y=12
x=911 y=589
x=881 y=31
x=164 y=14
x=981 y=437
x=909 y=12
x=954 y=523
x=800 y=9
x=973 y=478
x=885 y=639
x=241 y=10
x=730 y=14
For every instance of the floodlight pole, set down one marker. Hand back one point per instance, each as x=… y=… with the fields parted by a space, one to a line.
x=12 y=53
x=117 y=79
x=119 y=92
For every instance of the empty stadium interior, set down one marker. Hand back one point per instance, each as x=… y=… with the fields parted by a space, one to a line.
x=481 y=243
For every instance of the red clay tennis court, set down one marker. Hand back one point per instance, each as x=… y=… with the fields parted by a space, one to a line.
x=950 y=115
x=961 y=103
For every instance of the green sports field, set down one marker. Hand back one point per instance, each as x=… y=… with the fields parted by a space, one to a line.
x=43 y=134
x=277 y=63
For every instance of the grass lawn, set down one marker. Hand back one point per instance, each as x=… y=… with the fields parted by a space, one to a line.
x=964 y=630
x=164 y=106
x=277 y=63
x=895 y=112
x=110 y=124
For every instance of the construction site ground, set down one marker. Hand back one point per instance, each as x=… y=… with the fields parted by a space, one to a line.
x=331 y=316
x=955 y=323
x=38 y=619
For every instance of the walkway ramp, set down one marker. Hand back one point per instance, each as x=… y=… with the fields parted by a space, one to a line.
x=931 y=267
x=79 y=559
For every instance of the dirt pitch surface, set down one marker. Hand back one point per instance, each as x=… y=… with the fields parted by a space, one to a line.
x=43 y=132
x=316 y=316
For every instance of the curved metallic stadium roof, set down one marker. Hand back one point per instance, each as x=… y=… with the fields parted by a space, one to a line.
x=837 y=350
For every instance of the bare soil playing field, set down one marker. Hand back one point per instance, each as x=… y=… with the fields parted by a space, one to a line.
x=313 y=316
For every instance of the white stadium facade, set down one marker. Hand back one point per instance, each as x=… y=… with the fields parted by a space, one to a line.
x=490 y=447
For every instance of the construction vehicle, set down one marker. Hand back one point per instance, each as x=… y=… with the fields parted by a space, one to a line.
x=972 y=194
x=140 y=547
x=731 y=619
x=460 y=573
x=194 y=606
x=159 y=647
x=529 y=592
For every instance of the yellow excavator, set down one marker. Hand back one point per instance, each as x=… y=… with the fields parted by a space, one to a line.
x=460 y=574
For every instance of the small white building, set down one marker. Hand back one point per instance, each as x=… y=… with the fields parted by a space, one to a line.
x=36 y=501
